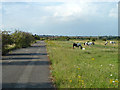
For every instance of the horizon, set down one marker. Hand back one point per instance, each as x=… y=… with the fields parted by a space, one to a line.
x=64 y=35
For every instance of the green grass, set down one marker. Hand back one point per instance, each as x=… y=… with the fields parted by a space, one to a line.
x=89 y=68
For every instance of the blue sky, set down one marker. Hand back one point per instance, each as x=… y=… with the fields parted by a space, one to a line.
x=61 y=18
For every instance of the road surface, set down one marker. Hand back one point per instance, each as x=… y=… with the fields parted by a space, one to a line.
x=26 y=68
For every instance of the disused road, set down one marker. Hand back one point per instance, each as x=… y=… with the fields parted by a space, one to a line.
x=26 y=68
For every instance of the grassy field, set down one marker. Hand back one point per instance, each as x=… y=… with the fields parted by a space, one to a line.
x=94 y=67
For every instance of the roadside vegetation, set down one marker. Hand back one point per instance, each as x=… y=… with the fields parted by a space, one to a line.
x=94 y=67
x=15 y=40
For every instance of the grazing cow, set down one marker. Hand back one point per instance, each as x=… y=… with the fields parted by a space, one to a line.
x=91 y=43
x=112 y=42
x=106 y=42
x=86 y=43
x=77 y=45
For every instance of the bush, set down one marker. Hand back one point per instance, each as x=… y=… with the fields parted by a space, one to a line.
x=6 y=40
x=93 y=39
x=36 y=37
x=18 y=38
x=22 y=39
x=104 y=39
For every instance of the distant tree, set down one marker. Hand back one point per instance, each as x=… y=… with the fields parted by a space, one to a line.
x=36 y=37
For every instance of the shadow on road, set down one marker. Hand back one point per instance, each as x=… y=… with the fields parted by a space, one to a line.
x=26 y=63
x=21 y=54
x=38 y=46
x=19 y=58
x=27 y=85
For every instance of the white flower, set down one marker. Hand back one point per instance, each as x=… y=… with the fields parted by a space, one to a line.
x=113 y=81
x=110 y=74
x=83 y=48
x=101 y=65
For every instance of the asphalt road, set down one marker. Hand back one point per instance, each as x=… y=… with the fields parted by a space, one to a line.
x=26 y=68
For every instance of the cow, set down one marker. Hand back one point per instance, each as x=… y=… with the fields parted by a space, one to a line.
x=89 y=43
x=106 y=42
x=86 y=43
x=77 y=45
x=112 y=42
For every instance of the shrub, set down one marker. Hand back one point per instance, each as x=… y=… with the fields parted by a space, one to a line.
x=104 y=39
x=6 y=40
x=22 y=39
x=36 y=37
x=93 y=39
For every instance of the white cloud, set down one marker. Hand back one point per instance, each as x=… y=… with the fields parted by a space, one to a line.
x=71 y=11
x=67 y=10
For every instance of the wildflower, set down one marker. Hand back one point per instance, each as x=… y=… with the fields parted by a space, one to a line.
x=79 y=76
x=93 y=58
x=110 y=74
x=83 y=48
x=82 y=81
x=78 y=68
x=101 y=65
x=116 y=81
x=111 y=80
x=70 y=81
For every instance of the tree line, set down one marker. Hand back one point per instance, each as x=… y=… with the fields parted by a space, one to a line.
x=67 y=38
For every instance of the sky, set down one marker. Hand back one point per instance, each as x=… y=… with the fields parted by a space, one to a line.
x=61 y=17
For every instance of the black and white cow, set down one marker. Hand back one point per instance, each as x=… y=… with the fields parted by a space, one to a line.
x=112 y=42
x=77 y=45
x=89 y=43
x=86 y=43
x=106 y=42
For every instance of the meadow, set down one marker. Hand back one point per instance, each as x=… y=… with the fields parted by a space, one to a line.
x=94 y=67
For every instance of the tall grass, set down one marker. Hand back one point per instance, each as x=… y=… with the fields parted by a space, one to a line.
x=94 y=67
